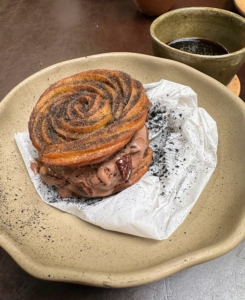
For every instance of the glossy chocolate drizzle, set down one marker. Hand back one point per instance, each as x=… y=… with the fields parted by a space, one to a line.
x=124 y=165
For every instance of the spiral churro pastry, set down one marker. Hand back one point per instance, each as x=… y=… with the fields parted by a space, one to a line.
x=89 y=130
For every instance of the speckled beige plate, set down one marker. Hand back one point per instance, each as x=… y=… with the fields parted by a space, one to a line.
x=53 y=245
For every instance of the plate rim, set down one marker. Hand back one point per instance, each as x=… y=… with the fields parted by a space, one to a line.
x=157 y=271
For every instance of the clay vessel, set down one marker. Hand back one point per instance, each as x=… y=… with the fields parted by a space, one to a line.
x=218 y=25
x=154 y=7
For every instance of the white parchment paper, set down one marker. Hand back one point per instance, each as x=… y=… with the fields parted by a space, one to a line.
x=184 y=138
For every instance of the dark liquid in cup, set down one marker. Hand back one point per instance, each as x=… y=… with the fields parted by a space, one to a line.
x=198 y=46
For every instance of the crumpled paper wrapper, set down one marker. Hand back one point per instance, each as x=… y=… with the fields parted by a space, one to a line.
x=184 y=139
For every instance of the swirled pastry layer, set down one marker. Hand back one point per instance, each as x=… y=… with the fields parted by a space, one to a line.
x=116 y=173
x=85 y=118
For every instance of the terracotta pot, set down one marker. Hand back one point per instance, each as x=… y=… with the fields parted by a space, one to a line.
x=223 y=4
x=154 y=7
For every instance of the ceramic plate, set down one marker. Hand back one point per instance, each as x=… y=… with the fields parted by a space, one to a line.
x=54 y=245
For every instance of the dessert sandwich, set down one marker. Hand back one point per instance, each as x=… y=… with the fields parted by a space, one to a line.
x=90 y=133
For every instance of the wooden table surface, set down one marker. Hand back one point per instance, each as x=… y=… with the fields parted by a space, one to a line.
x=37 y=34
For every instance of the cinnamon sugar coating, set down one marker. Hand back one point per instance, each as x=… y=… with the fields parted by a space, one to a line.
x=87 y=117
x=89 y=130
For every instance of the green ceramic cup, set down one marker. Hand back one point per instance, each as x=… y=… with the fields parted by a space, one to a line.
x=217 y=25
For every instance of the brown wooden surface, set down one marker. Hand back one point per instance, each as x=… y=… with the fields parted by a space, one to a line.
x=36 y=34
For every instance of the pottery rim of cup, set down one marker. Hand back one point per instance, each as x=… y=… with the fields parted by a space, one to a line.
x=166 y=28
